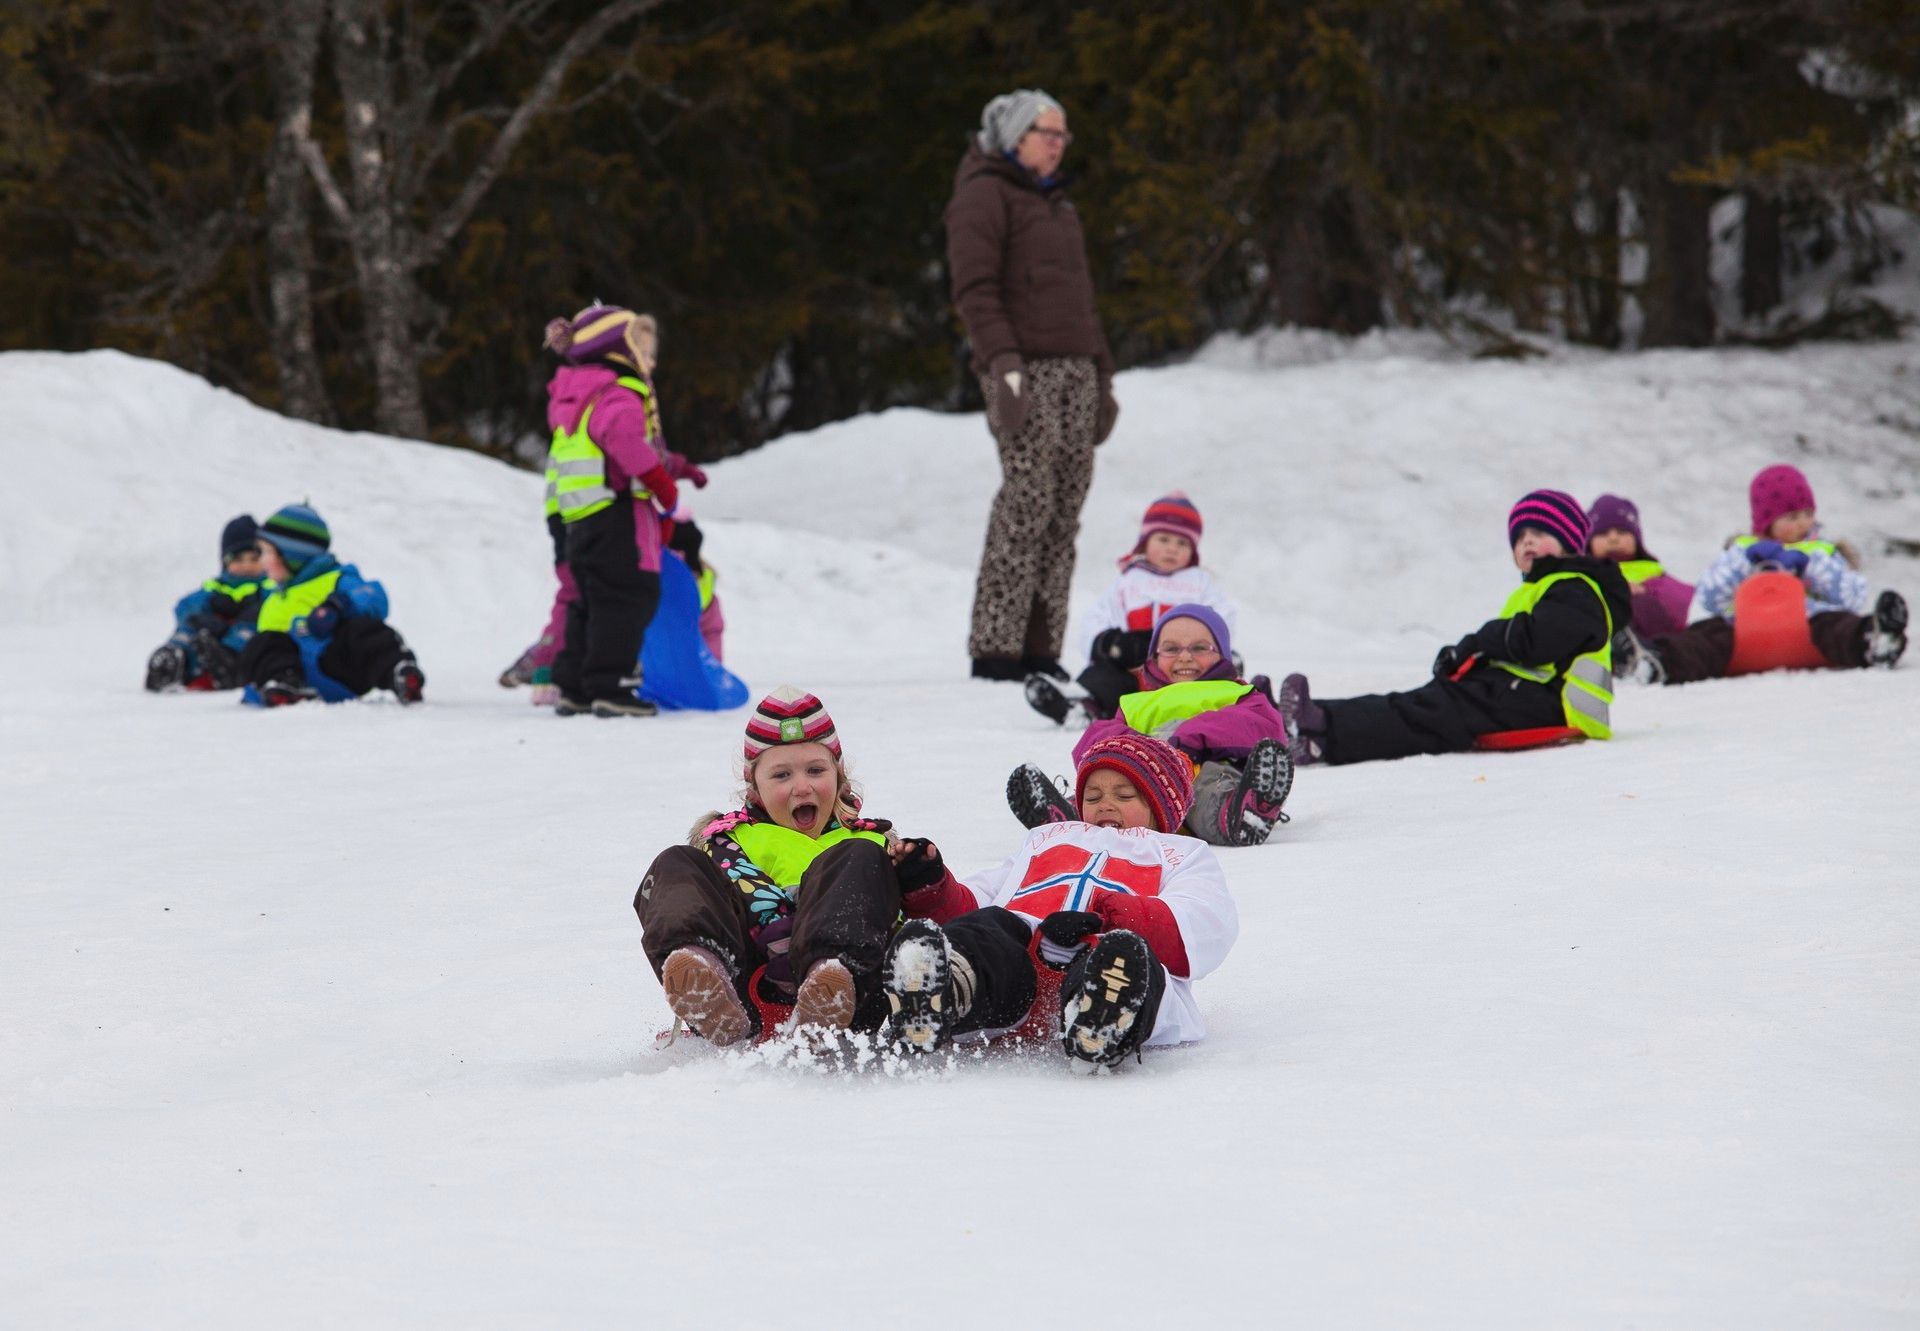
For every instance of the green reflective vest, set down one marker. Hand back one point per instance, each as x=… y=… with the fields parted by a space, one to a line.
x=233 y=592
x=577 y=469
x=295 y=601
x=1805 y=547
x=1637 y=571
x=1159 y=712
x=1586 y=693
x=784 y=854
x=706 y=587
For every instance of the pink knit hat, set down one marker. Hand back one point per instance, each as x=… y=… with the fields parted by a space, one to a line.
x=1174 y=514
x=788 y=716
x=1777 y=490
x=1161 y=774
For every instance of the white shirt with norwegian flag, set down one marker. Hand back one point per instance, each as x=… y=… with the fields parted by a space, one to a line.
x=1062 y=865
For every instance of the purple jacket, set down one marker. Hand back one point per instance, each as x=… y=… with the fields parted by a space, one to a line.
x=1226 y=732
x=622 y=431
x=1660 y=605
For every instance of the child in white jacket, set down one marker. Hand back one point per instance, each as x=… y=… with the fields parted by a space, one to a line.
x=1092 y=932
x=1162 y=570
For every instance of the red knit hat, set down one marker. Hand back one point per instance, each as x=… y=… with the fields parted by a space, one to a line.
x=1775 y=492
x=1161 y=774
x=788 y=716
x=1173 y=513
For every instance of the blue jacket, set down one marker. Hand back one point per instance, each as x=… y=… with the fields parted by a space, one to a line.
x=225 y=605
x=1830 y=581
x=322 y=579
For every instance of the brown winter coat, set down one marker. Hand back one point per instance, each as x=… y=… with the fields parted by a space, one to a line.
x=1018 y=260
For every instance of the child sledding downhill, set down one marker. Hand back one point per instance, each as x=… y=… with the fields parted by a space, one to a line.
x=1162 y=570
x=1785 y=538
x=1093 y=932
x=323 y=631
x=1191 y=697
x=213 y=624
x=778 y=914
x=1542 y=664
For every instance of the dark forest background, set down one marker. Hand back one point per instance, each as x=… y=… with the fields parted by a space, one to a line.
x=362 y=212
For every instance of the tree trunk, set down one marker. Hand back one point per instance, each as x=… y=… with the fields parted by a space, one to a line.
x=384 y=279
x=1760 y=255
x=1677 y=295
x=296 y=50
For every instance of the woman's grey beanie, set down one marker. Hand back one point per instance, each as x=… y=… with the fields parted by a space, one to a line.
x=1010 y=115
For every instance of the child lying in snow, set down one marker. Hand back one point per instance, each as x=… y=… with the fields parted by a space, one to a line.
x=787 y=903
x=1131 y=913
x=1162 y=570
x=1660 y=600
x=213 y=625
x=1543 y=661
x=1785 y=536
x=1190 y=698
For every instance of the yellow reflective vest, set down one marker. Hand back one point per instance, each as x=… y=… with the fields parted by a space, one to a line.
x=784 y=854
x=1586 y=690
x=577 y=468
x=294 y=601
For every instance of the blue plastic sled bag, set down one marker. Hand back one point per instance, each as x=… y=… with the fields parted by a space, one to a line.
x=678 y=671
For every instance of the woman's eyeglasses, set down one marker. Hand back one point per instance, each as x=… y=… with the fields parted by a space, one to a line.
x=1059 y=136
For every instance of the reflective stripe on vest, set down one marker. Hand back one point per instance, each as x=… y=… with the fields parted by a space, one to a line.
x=553 y=489
x=1637 y=571
x=1159 y=712
x=577 y=468
x=286 y=604
x=784 y=854
x=1805 y=547
x=1586 y=693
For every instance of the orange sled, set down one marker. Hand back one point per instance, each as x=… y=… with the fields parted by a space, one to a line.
x=1770 y=627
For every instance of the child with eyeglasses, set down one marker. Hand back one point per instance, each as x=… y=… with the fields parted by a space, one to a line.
x=1162 y=570
x=1192 y=698
x=212 y=625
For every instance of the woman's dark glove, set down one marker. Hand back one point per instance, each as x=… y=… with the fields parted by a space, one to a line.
x=1007 y=405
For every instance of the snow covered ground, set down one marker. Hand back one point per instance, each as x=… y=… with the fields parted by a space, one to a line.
x=338 y=1016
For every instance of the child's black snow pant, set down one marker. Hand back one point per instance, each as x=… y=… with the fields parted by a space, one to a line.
x=608 y=622
x=994 y=941
x=361 y=656
x=1704 y=649
x=844 y=909
x=1442 y=716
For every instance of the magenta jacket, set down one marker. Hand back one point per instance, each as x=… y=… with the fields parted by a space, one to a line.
x=1660 y=605
x=620 y=428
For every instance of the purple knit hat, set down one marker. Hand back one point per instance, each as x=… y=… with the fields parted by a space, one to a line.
x=1162 y=774
x=1554 y=512
x=1206 y=614
x=1612 y=513
x=605 y=333
x=1777 y=490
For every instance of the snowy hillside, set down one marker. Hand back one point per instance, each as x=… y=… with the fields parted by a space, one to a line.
x=338 y=1016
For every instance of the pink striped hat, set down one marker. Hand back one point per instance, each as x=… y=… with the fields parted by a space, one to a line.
x=788 y=716
x=1554 y=512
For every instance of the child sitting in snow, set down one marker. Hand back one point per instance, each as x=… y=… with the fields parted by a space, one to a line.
x=323 y=628
x=788 y=901
x=1660 y=600
x=1162 y=569
x=213 y=625
x=1785 y=536
x=1132 y=912
x=1544 y=661
x=1191 y=698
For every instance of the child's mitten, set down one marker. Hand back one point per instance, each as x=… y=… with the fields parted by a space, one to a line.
x=1065 y=933
x=919 y=865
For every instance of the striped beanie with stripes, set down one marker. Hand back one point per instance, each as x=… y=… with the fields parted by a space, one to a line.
x=606 y=333
x=1175 y=514
x=1554 y=512
x=298 y=533
x=788 y=716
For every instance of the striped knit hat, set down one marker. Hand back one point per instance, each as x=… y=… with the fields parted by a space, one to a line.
x=1172 y=513
x=1554 y=512
x=608 y=333
x=788 y=716
x=298 y=533
x=1775 y=492
x=1161 y=774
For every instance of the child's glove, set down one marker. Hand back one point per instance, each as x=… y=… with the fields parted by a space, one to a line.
x=1794 y=562
x=919 y=864
x=689 y=471
x=1453 y=661
x=660 y=485
x=1007 y=409
x=1764 y=552
x=323 y=619
x=1126 y=648
x=1064 y=934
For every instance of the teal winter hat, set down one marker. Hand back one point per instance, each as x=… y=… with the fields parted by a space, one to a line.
x=298 y=533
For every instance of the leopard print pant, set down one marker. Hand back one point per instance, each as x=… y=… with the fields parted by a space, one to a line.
x=1020 y=597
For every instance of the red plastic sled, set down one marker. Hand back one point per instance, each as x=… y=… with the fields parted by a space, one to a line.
x=1539 y=737
x=1770 y=626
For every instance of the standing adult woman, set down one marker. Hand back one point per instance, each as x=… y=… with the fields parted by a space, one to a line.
x=1018 y=263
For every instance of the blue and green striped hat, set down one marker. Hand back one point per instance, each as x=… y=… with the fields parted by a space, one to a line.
x=298 y=533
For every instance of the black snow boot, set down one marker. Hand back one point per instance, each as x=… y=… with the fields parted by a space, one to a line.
x=409 y=681
x=1036 y=801
x=287 y=690
x=1266 y=779
x=167 y=668
x=1045 y=697
x=1109 y=1000
x=220 y=663
x=1887 y=630
x=928 y=987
